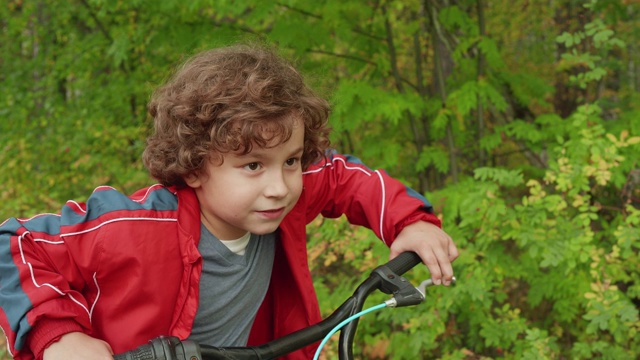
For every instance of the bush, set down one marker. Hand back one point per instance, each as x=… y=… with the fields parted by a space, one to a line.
x=548 y=268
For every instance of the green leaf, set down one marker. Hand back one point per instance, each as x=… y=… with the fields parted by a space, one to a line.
x=566 y=38
x=504 y=177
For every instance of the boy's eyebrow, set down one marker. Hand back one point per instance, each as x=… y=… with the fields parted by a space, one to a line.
x=298 y=150
x=258 y=154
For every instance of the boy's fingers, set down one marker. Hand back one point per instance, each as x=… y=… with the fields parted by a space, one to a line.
x=432 y=263
x=433 y=245
x=453 y=251
x=443 y=269
x=439 y=265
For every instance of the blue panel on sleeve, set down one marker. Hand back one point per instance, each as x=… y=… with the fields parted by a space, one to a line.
x=415 y=194
x=14 y=301
x=107 y=200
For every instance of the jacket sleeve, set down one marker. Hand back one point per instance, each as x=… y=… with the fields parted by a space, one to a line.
x=40 y=298
x=342 y=185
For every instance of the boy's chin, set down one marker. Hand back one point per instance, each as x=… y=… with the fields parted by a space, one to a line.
x=265 y=230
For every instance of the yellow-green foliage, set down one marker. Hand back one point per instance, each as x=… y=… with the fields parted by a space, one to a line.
x=548 y=268
x=522 y=124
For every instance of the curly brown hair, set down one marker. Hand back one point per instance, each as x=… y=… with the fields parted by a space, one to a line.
x=229 y=100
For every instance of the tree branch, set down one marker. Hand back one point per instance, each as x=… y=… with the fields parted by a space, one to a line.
x=303 y=12
x=102 y=29
x=345 y=56
x=356 y=29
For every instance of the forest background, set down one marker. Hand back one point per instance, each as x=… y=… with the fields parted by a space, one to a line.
x=519 y=119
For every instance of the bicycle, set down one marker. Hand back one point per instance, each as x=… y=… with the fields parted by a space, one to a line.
x=386 y=278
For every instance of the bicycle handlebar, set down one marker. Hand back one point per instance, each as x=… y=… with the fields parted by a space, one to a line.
x=387 y=278
x=163 y=348
x=403 y=262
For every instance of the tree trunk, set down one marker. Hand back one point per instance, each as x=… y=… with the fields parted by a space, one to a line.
x=482 y=156
x=443 y=63
x=418 y=138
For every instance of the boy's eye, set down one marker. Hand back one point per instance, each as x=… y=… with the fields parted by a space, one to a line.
x=291 y=162
x=252 y=166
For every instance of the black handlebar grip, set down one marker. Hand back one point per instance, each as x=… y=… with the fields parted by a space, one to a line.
x=404 y=262
x=163 y=348
x=142 y=352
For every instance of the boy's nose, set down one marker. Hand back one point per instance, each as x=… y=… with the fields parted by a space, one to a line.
x=276 y=185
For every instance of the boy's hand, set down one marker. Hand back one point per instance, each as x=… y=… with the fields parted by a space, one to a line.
x=77 y=345
x=432 y=244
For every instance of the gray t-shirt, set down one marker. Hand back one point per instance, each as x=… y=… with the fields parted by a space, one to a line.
x=232 y=287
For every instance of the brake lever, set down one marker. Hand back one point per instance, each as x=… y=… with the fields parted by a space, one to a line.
x=425 y=284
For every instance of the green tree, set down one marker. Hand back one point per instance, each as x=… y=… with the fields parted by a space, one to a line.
x=519 y=119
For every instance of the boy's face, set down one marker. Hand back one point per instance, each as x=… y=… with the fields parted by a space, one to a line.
x=251 y=192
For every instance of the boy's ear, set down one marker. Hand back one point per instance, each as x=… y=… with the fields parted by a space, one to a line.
x=193 y=181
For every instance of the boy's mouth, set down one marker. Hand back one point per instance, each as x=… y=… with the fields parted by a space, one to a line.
x=272 y=213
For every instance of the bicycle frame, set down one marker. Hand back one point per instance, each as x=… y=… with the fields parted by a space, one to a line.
x=386 y=278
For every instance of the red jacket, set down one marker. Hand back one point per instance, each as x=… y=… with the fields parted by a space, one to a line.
x=126 y=269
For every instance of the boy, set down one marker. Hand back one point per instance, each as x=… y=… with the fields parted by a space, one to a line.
x=217 y=251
